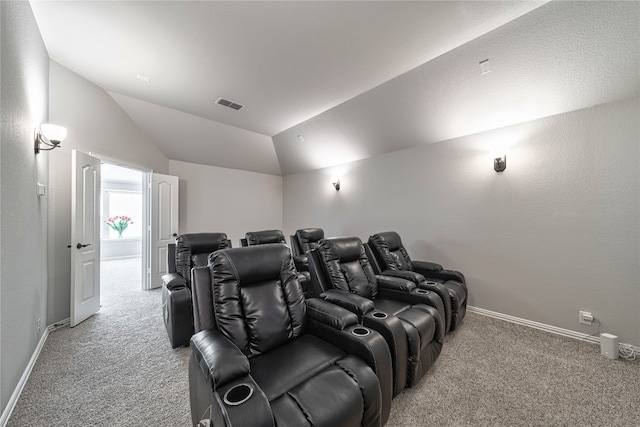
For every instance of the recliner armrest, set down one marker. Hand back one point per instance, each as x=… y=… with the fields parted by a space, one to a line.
x=173 y=281
x=217 y=368
x=405 y=274
x=330 y=314
x=354 y=303
x=395 y=283
x=420 y=266
x=218 y=358
x=301 y=262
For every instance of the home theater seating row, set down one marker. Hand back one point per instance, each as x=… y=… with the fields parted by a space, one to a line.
x=326 y=335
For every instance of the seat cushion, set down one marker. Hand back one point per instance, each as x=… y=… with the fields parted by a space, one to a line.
x=279 y=370
x=341 y=397
x=412 y=318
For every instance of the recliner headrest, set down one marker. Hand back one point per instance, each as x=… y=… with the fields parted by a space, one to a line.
x=348 y=248
x=202 y=242
x=253 y=263
x=307 y=235
x=308 y=238
x=264 y=237
x=391 y=238
x=189 y=246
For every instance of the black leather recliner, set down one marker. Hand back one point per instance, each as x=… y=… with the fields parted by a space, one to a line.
x=262 y=356
x=190 y=250
x=410 y=319
x=303 y=241
x=392 y=259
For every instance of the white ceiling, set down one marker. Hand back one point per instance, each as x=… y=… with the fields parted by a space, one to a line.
x=285 y=61
x=558 y=58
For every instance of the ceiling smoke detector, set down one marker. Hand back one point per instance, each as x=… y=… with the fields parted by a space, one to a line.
x=230 y=104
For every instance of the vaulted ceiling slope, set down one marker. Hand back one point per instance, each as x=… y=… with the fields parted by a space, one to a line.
x=286 y=62
x=560 y=57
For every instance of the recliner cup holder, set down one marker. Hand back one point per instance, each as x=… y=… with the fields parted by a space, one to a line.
x=360 y=331
x=238 y=394
x=379 y=315
x=421 y=291
x=432 y=283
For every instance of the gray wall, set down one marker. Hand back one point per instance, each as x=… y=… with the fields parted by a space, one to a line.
x=555 y=233
x=227 y=200
x=23 y=216
x=95 y=123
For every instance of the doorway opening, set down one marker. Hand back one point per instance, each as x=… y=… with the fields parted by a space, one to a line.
x=122 y=224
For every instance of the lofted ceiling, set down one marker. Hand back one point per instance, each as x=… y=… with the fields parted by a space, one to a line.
x=286 y=61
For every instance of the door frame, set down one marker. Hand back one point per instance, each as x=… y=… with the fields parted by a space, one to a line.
x=146 y=212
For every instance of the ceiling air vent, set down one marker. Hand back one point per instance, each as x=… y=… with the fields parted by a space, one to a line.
x=230 y=104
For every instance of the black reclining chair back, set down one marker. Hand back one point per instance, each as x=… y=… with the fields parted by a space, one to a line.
x=192 y=250
x=389 y=251
x=306 y=239
x=347 y=266
x=261 y=306
x=267 y=237
x=392 y=258
x=189 y=250
x=303 y=241
x=264 y=237
x=267 y=339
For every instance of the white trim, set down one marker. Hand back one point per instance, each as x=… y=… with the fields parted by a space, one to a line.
x=121 y=163
x=541 y=326
x=115 y=258
x=11 y=404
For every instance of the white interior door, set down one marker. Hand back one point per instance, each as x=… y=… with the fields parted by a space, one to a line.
x=85 y=237
x=164 y=223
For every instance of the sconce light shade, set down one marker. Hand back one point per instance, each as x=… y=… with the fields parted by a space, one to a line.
x=48 y=137
x=500 y=163
x=336 y=183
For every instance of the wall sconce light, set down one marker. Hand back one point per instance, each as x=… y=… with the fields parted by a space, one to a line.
x=336 y=183
x=500 y=163
x=48 y=136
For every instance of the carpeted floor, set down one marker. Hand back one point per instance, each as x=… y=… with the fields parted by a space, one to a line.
x=117 y=369
x=114 y=369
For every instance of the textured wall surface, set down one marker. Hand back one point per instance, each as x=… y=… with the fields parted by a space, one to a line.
x=214 y=199
x=23 y=221
x=556 y=232
x=95 y=124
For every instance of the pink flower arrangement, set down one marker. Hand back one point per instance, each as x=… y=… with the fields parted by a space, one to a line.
x=119 y=223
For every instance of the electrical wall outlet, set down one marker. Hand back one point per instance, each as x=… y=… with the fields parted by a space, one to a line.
x=585 y=317
x=38 y=326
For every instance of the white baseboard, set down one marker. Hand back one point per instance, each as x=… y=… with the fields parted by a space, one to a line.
x=4 y=419
x=541 y=326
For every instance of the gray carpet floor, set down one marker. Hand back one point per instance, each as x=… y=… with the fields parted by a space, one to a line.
x=117 y=369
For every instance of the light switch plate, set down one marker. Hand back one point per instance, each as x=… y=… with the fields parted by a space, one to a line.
x=41 y=190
